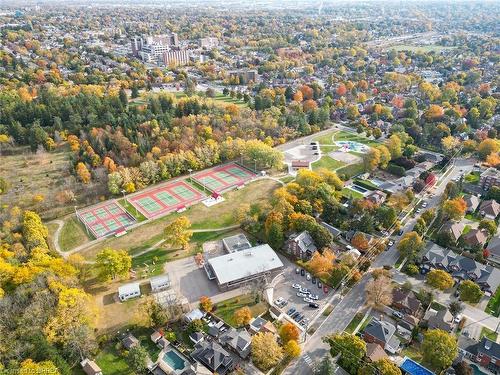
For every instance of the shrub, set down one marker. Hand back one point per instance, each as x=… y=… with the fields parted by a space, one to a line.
x=396 y=170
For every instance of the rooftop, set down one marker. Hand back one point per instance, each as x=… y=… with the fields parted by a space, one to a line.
x=236 y=266
x=237 y=242
x=129 y=288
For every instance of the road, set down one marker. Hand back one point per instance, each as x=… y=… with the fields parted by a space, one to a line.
x=314 y=349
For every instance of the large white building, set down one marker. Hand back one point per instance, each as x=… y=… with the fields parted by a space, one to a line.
x=232 y=270
x=176 y=58
x=151 y=48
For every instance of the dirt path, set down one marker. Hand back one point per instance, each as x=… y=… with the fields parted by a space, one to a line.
x=57 y=233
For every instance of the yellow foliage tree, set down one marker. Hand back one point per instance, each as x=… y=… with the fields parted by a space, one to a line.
x=177 y=233
x=242 y=316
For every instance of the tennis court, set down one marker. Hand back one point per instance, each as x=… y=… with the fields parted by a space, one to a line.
x=164 y=199
x=105 y=219
x=224 y=177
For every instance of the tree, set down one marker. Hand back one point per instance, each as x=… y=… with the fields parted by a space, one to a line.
x=292 y=349
x=439 y=348
x=325 y=367
x=410 y=245
x=242 y=316
x=463 y=368
x=372 y=159
x=454 y=209
x=266 y=352
x=379 y=292
x=394 y=145
x=289 y=331
x=385 y=156
x=470 y=291
x=383 y=366
x=359 y=241
x=138 y=359
x=206 y=304
x=351 y=349
x=177 y=233
x=439 y=279
x=455 y=308
x=195 y=325
x=488 y=225
x=45 y=367
x=83 y=173
x=150 y=313
x=487 y=147
x=113 y=263
x=321 y=264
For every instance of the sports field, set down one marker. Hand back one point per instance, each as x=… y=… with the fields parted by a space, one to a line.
x=105 y=219
x=224 y=177
x=164 y=199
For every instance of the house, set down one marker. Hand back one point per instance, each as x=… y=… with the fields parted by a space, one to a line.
x=453 y=228
x=374 y=352
x=156 y=336
x=195 y=314
x=461 y=268
x=159 y=283
x=486 y=353
x=129 y=291
x=490 y=177
x=256 y=324
x=406 y=302
x=237 y=340
x=377 y=197
x=494 y=249
x=301 y=245
x=406 y=325
x=383 y=333
x=441 y=319
x=472 y=203
x=476 y=237
x=90 y=367
x=196 y=337
x=130 y=341
x=213 y=356
x=335 y=232
x=490 y=209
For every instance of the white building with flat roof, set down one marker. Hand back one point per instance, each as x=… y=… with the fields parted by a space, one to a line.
x=232 y=270
x=129 y=291
x=160 y=282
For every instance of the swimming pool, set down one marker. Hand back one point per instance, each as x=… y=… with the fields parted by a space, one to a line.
x=358 y=188
x=476 y=370
x=174 y=360
x=348 y=146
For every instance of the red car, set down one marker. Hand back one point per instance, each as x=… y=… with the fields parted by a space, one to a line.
x=325 y=289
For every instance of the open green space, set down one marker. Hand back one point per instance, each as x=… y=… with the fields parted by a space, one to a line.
x=348 y=193
x=228 y=100
x=472 y=178
x=327 y=163
x=225 y=309
x=350 y=170
x=488 y=333
x=132 y=210
x=348 y=136
x=423 y=49
x=354 y=322
x=412 y=352
x=72 y=234
x=493 y=307
x=326 y=139
x=111 y=362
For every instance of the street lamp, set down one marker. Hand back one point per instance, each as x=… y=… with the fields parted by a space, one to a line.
x=190 y=170
x=255 y=165
x=123 y=192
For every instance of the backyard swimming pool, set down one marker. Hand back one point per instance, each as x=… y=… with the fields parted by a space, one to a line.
x=358 y=188
x=347 y=146
x=174 y=360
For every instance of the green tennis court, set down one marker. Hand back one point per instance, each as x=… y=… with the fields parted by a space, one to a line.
x=105 y=218
x=166 y=198
x=149 y=204
x=183 y=192
x=239 y=172
x=211 y=182
x=226 y=177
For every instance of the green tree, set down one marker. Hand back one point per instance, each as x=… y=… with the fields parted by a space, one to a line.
x=177 y=233
x=138 y=359
x=439 y=348
x=410 y=245
x=439 y=279
x=470 y=291
x=383 y=366
x=113 y=263
x=394 y=145
x=455 y=308
x=351 y=349
x=325 y=367
x=488 y=225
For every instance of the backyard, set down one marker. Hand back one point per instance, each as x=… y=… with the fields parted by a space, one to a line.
x=493 y=307
x=472 y=178
x=225 y=309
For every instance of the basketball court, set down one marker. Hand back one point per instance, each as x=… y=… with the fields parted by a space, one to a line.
x=164 y=199
x=105 y=219
x=224 y=177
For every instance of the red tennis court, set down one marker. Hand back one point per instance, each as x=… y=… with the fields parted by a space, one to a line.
x=224 y=177
x=165 y=198
x=105 y=219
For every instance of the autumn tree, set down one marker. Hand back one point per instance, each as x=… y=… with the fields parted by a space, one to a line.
x=351 y=349
x=289 y=331
x=371 y=159
x=266 y=352
x=113 y=263
x=454 y=209
x=150 y=313
x=359 y=241
x=394 y=145
x=379 y=292
x=83 y=173
x=242 y=316
x=206 y=304
x=487 y=147
x=470 y=291
x=439 y=279
x=385 y=156
x=177 y=233
x=383 y=366
x=321 y=264
x=292 y=349
x=410 y=245
x=439 y=348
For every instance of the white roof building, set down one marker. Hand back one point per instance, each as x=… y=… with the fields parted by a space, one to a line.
x=128 y=291
x=160 y=282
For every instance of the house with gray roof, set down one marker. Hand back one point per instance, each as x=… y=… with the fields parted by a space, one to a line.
x=484 y=352
x=490 y=209
x=453 y=228
x=494 y=249
x=472 y=203
x=441 y=319
x=383 y=333
x=214 y=357
x=301 y=245
x=238 y=340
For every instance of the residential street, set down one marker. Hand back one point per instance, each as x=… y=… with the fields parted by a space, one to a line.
x=314 y=349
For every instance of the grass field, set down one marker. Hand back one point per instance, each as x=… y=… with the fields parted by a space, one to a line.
x=351 y=170
x=72 y=234
x=354 y=322
x=472 y=178
x=111 y=362
x=131 y=210
x=228 y=100
x=429 y=48
x=226 y=309
x=328 y=163
x=493 y=307
x=326 y=139
x=348 y=136
x=201 y=217
x=348 y=193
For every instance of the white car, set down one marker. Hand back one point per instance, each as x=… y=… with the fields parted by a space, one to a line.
x=308 y=276
x=308 y=300
x=418 y=210
x=458 y=318
x=279 y=301
x=314 y=296
x=391 y=243
x=296 y=286
x=424 y=204
x=301 y=294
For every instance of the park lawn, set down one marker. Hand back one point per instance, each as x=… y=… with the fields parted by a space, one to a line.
x=131 y=210
x=287 y=179
x=354 y=322
x=201 y=217
x=72 y=234
x=327 y=163
x=225 y=309
x=228 y=100
x=348 y=193
x=111 y=362
x=488 y=333
x=424 y=49
x=493 y=307
x=326 y=139
x=348 y=136
x=472 y=178
x=351 y=170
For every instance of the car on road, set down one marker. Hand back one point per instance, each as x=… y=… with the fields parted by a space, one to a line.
x=296 y=286
x=400 y=232
x=302 y=273
x=314 y=305
x=316 y=153
x=391 y=243
x=299 y=294
x=418 y=210
x=308 y=300
x=397 y=314
x=320 y=285
x=308 y=276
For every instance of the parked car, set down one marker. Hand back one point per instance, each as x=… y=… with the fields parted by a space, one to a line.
x=314 y=305
x=308 y=300
x=308 y=276
x=298 y=318
x=314 y=280
x=397 y=314
x=424 y=204
x=291 y=310
x=400 y=232
x=391 y=243
x=299 y=294
x=314 y=296
x=305 y=290
x=458 y=318
x=297 y=270
x=296 y=286
x=320 y=285
x=302 y=273
x=279 y=301
x=294 y=315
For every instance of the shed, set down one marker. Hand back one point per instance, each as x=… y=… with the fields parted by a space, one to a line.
x=129 y=291
x=90 y=367
x=159 y=283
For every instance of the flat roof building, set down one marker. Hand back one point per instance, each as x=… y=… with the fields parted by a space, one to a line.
x=160 y=282
x=129 y=291
x=237 y=242
x=234 y=269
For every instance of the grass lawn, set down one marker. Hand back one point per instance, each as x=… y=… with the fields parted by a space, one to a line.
x=201 y=217
x=488 y=333
x=472 y=178
x=493 y=307
x=424 y=49
x=131 y=210
x=111 y=362
x=226 y=309
x=328 y=310
x=326 y=139
x=72 y=234
x=437 y=306
x=348 y=136
x=144 y=336
x=346 y=192
x=351 y=170
x=287 y=179
x=354 y=322
x=466 y=230
x=412 y=352
x=472 y=217
x=228 y=100
x=327 y=163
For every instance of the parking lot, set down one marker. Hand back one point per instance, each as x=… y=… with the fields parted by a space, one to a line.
x=285 y=290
